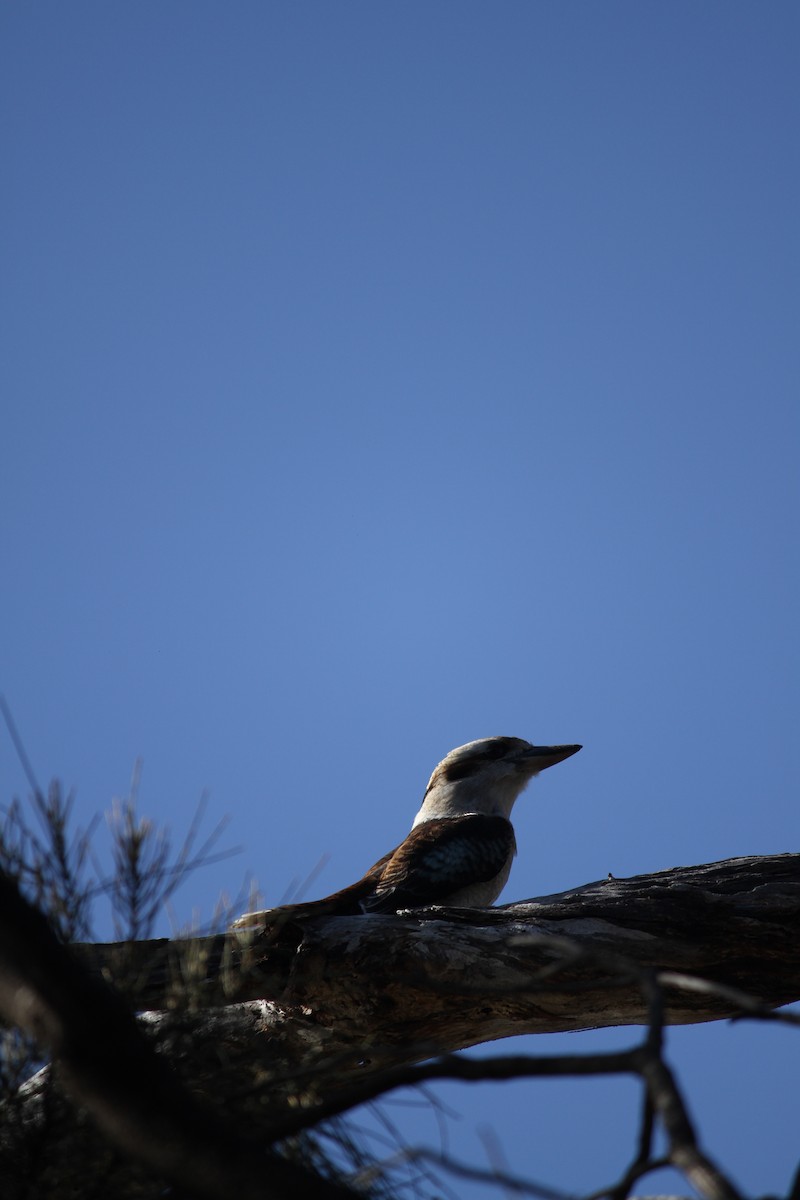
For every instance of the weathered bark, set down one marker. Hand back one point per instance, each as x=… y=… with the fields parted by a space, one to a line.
x=392 y=977
x=343 y=997
x=310 y=1010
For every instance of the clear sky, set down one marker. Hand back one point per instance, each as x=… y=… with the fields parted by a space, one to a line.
x=377 y=377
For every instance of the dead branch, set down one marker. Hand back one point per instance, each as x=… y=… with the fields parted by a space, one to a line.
x=537 y=966
x=303 y=1019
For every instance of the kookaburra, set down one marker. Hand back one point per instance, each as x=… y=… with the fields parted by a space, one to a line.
x=461 y=845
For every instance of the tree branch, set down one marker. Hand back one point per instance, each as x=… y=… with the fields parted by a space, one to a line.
x=538 y=966
x=334 y=1011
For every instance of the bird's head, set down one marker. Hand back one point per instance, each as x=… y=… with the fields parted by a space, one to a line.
x=486 y=776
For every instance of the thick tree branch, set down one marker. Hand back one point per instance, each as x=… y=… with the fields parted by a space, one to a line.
x=344 y=999
x=391 y=978
x=332 y=1011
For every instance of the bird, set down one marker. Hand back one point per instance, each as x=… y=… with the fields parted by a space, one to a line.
x=461 y=845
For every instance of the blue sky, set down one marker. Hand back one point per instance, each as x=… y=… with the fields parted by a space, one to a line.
x=380 y=377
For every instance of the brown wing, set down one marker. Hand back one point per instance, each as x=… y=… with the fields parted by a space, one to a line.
x=437 y=859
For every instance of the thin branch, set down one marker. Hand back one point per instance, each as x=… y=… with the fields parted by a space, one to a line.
x=642 y=1163
x=750 y=1006
x=514 y=1183
x=457 y=1067
x=668 y=1104
x=19 y=747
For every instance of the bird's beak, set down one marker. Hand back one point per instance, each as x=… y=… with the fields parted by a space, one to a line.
x=536 y=758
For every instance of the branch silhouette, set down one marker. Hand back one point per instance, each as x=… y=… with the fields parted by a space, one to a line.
x=264 y=1033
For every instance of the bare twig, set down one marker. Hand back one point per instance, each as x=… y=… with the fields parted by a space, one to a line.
x=513 y=1183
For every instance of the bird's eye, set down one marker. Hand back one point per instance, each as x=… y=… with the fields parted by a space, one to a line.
x=495 y=750
x=462 y=769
